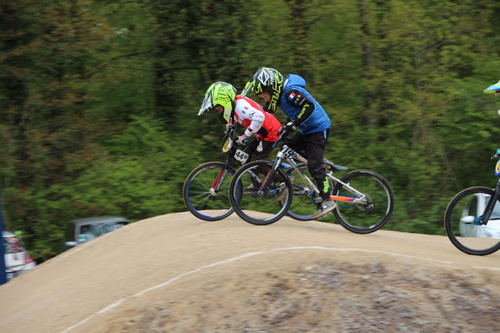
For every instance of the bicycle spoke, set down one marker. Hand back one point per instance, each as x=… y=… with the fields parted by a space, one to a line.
x=369 y=212
x=201 y=199
x=258 y=206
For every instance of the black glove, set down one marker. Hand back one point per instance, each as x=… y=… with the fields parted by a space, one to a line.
x=289 y=127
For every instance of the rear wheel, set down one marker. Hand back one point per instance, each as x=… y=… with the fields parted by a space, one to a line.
x=206 y=191
x=467 y=235
x=371 y=208
x=255 y=206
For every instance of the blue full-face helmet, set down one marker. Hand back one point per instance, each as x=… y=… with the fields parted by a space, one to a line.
x=493 y=89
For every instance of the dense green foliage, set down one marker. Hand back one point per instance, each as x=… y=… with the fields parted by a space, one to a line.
x=98 y=99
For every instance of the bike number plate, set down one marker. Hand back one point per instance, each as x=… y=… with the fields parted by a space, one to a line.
x=241 y=156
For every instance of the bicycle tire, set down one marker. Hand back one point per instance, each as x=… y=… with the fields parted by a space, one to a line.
x=199 y=197
x=303 y=205
x=259 y=208
x=370 y=216
x=459 y=224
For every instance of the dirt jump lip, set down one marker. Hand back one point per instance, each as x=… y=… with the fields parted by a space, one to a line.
x=178 y=273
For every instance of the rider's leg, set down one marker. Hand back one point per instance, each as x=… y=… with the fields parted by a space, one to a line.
x=315 y=151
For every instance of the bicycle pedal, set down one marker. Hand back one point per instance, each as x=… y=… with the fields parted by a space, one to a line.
x=254 y=194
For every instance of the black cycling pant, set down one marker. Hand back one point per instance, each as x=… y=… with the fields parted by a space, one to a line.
x=314 y=147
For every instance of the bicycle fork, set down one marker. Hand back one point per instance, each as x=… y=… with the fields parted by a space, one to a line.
x=218 y=181
x=265 y=184
x=483 y=219
x=270 y=176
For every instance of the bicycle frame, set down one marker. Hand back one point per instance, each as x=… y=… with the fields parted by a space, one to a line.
x=268 y=190
x=288 y=154
x=485 y=217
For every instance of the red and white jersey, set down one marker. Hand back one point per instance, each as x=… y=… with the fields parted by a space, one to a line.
x=258 y=122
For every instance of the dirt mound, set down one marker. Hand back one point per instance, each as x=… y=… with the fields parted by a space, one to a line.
x=175 y=273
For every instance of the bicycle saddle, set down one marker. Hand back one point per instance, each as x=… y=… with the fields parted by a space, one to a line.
x=334 y=166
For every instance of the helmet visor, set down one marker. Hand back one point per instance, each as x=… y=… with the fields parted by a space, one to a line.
x=248 y=88
x=493 y=89
x=206 y=105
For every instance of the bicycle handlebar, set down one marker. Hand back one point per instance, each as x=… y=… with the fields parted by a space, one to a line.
x=497 y=154
x=283 y=135
x=229 y=130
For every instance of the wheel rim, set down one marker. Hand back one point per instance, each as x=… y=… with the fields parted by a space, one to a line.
x=201 y=199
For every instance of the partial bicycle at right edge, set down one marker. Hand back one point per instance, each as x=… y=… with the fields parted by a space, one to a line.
x=262 y=192
x=472 y=218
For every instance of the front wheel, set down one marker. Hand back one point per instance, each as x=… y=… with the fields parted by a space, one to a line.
x=368 y=201
x=255 y=206
x=462 y=226
x=206 y=190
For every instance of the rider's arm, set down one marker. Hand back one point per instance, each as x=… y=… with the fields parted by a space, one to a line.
x=297 y=99
x=257 y=118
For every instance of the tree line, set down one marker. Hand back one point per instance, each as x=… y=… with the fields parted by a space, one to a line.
x=99 y=99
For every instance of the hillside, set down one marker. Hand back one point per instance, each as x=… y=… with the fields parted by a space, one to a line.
x=175 y=273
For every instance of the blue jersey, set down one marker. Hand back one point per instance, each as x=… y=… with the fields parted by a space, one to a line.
x=293 y=86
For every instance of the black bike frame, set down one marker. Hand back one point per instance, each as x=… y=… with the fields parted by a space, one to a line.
x=483 y=219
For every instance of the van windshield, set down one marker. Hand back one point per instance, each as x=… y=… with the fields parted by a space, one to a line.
x=91 y=231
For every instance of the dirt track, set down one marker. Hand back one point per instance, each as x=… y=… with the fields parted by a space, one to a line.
x=175 y=273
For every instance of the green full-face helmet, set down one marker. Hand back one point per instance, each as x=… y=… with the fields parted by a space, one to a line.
x=219 y=93
x=266 y=80
x=493 y=89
